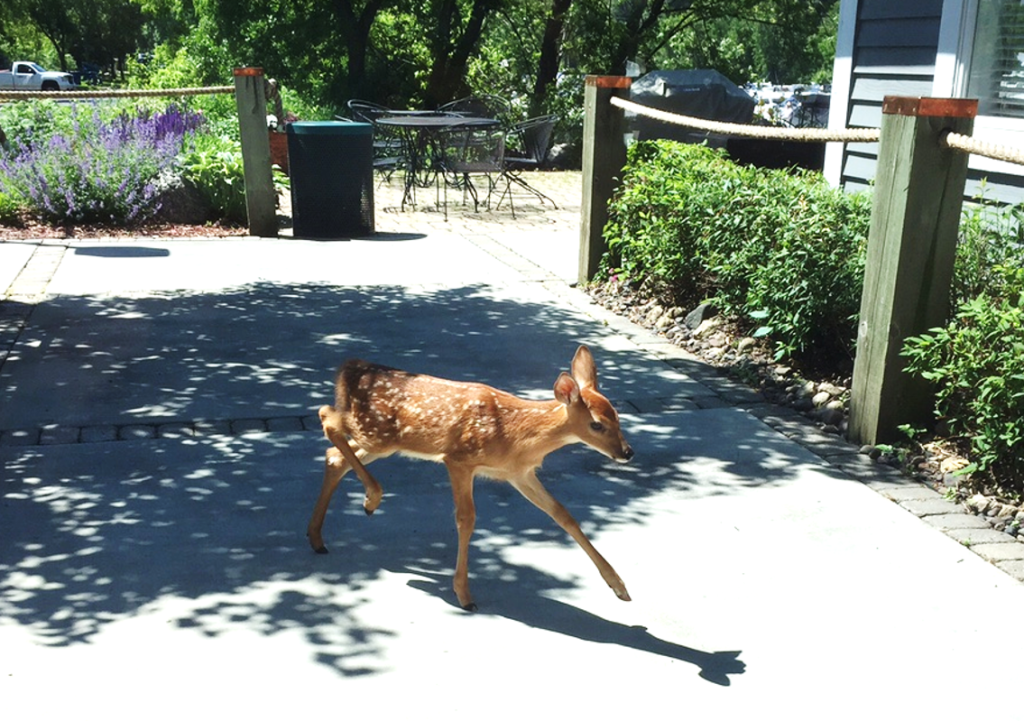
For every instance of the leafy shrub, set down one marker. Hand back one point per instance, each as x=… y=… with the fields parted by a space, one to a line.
x=97 y=171
x=780 y=248
x=10 y=209
x=990 y=236
x=35 y=121
x=214 y=167
x=977 y=364
x=976 y=361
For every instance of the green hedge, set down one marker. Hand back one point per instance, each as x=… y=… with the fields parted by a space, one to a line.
x=780 y=249
x=976 y=362
x=785 y=252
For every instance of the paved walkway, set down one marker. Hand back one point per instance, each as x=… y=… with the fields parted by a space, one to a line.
x=160 y=462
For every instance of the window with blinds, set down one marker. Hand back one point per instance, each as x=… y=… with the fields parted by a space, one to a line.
x=996 y=75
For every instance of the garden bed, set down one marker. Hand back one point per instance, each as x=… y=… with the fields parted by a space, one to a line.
x=34 y=230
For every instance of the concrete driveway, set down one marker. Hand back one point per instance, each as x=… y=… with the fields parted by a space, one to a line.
x=160 y=460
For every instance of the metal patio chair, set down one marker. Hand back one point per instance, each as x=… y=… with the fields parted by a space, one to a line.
x=528 y=145
x=468 y=151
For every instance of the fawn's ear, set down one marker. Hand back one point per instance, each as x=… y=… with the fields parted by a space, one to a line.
x=566 y=389
x=583 y=369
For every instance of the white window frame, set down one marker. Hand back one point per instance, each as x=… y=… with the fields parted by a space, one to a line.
x=842 y=79
x=952 y=65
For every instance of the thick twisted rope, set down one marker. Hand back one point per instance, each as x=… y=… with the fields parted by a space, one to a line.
x=88 y=94
x=979 y=147
x=805 y=135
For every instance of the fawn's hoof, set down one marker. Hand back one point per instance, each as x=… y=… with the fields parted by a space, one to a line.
x=471 y=607
x=317 y=545
x=371 y=504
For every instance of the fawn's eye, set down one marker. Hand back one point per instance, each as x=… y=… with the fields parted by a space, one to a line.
x=595 y=426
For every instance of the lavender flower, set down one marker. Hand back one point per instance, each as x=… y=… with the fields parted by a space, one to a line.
x=100 y=171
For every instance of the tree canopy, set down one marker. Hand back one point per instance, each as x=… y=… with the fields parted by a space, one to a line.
x=428 y=51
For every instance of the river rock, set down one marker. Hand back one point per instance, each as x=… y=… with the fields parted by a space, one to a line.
x=745 y=344
x=820 y=398
x=978 y=503
x=696 y=317
x=833 y=390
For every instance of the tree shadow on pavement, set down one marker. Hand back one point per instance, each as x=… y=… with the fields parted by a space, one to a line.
x=208 y=530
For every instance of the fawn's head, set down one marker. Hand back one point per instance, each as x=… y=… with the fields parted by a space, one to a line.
x=593 y=419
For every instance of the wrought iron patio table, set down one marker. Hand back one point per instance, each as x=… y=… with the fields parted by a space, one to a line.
x=420 y=132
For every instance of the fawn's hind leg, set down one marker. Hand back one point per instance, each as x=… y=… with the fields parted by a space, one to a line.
x=335 y=467
x=330 y=419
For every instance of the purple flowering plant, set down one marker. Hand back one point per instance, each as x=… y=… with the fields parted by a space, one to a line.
x=97 y=170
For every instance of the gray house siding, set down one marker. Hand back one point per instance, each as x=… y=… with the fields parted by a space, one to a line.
x=895 y=45
x=893 y=54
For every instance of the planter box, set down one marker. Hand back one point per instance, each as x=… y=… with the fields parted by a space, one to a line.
x=279 y=150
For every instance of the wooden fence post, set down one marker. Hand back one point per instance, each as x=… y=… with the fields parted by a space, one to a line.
x=915 y=216
x=260 y=200
x=604 y=156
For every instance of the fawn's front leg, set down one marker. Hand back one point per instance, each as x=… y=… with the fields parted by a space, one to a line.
x=532 y=489
x=465 y=522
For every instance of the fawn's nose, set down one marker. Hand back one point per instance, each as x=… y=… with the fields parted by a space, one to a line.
x=627 y=453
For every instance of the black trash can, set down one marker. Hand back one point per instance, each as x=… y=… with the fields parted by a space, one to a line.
x=331 y=169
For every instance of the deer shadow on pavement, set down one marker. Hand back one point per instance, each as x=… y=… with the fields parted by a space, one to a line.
x=548 y=614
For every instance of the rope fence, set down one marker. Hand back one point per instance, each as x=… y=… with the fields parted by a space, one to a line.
x=805 y=135
x=90 y=94
x=955 y=141
x=974 y=146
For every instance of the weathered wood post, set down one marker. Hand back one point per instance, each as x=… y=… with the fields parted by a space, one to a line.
x=912 y=239
x=260 y=201
x=604 y=156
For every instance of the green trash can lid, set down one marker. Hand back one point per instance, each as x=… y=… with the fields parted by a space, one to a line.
x=329 y=127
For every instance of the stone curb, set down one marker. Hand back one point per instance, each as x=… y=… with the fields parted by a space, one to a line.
x=106 y=433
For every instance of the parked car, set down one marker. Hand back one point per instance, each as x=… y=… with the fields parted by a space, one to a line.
x=24 y=75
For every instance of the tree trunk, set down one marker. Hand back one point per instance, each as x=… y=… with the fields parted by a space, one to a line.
x=355 y=29
x=550 y=54
x=644 y=18
x=451 y=54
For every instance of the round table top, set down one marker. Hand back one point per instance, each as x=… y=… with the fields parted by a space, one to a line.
x=434 y=121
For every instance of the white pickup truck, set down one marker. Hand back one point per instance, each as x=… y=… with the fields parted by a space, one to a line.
x=29 y=76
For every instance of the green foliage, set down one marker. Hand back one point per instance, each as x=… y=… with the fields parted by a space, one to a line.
x=777 y=40
x=186 y=67
x=34 y=119
x=98 y=32
x=214 y=167
x=990 y=236
x=779 y=248
x=10 y=209
x=977 y=365
x=976 y=361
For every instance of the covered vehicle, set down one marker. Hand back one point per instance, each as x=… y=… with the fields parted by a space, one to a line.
x=705 y=94
x=709 y=95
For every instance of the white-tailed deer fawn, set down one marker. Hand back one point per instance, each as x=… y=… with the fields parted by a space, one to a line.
x=474 y=430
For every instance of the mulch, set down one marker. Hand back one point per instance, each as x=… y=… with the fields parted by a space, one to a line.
x=34 y=230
